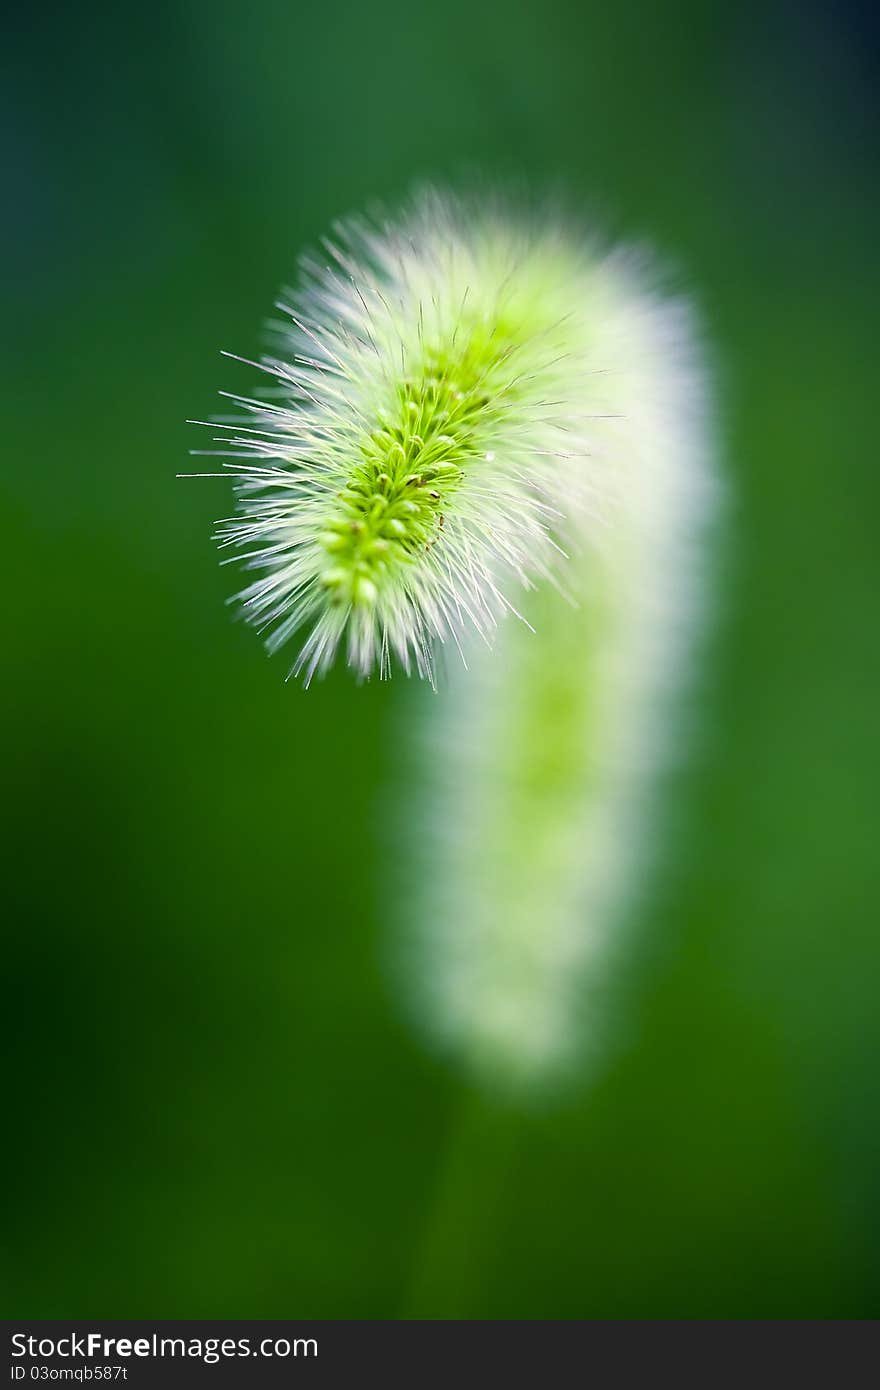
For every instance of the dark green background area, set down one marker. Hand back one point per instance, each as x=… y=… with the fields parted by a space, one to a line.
x=215 y=1107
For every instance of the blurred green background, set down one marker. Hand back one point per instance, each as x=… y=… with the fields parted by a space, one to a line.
x=214 y=1106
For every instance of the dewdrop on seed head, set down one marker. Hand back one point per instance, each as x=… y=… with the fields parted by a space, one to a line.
x=483 y=430
x=420 y=458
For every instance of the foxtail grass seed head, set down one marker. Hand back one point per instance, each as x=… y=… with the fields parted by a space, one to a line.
x=478 y=428
x=418 y=458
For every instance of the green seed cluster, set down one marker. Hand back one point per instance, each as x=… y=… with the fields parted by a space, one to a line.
x=393 y=505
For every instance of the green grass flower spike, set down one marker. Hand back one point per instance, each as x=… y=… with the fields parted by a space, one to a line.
x=421 y=453
x=484 y=429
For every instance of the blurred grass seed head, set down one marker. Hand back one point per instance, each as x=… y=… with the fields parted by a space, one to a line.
x=480 y=428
